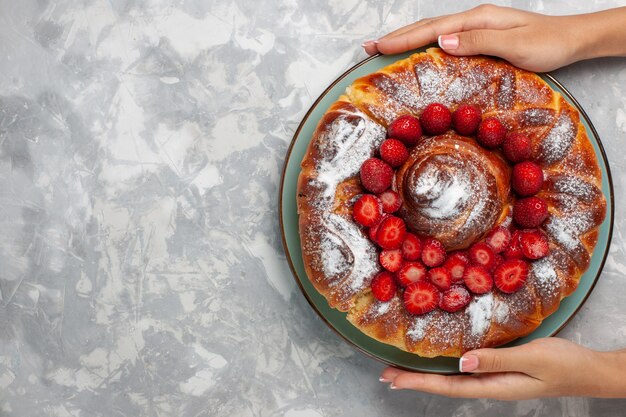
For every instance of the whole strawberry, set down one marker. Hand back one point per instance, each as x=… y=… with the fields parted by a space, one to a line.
x=376 y=175
x=406 y=129
x=530 y=212
x=393 y=152
x=436 y=119
x=517 y=147
x=466 y=119
x=527 y=178
x=491 y=133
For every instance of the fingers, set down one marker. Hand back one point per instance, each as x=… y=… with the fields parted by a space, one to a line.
x=475 y=42
x=513 y=359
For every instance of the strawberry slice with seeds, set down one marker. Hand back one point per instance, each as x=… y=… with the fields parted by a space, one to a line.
x=499 y=238
x=421 y=297
x=511 y=275
x=391 y=259
x=367 y=210
x=481 y=254
x=391 y=233
x=391 y=201
x=514 y=251
x=456 y=264
x=455 y=299
x=534 y=244
x=411 y=272
x=374 y=229
x=477 y=279
x=440 y=277
x=384 y=286
x=433 y=253
x=411 y=247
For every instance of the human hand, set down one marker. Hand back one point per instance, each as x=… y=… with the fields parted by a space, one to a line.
x=531 y=41
x=548 y=367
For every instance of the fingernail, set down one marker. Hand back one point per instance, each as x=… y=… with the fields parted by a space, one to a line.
x=368 y=43
x=449 y=42
x=381 y=379
x=468 y=363
x=391 y=386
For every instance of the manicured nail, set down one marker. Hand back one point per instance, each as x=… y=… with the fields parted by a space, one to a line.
x=448 y=42
x=391 y=386
x=468 y=363
x=368 y=44
x=381 y=379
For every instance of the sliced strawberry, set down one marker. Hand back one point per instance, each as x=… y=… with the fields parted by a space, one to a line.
x=405 y=128
x=391 y=201
x=527 y=178
x=376 y=175
x=391 y=233
x=436 y=119
x=391 y=259
x=384 y=286
x=481 y=254
x=497 y=261
x=367 y=210
x=440 y=277
x=477 y=279
x=411 y=247
x=374 y=229
x=530 y=212
x=411 y=272
x=393 y=152
x=511 y=275
x=499 y=238
x=455 y=299
x=534 y=244
x=456 y=264
x=491 y=133
x=433 y=253
x=466 y=119
x=517 y=147
x=514 y=251
x=421 y=297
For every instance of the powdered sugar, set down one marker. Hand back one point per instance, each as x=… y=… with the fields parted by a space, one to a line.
x=335 y=261
x=500 y=311
x=559 y=139
x=546 y=278
x=567 y=229
x=480 y=311
x=417 y=331
x=446 y=197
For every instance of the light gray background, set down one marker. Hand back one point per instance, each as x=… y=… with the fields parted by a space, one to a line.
x=141 y=269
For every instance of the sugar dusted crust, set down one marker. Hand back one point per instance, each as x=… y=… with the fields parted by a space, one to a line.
x=340 y=260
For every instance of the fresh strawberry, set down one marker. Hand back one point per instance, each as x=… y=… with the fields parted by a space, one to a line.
x=511 y=275
x=421 y=297
x=477 y=279
x=440 y=277
x=517 y=147
x=411 y=272
x=391 y=259
x=466 y=119
x=406 y=129
x=367 y=210
x=534 y=244
x=411 y=247
x=384 y=286
x=499 y=238
x=374 y=229
x=514 y=250
x=481 y=254
x=376 y=175
x=455 y=299
x=391 y=233
x=456 y=264
x=393 y=152
x=433 y=253
x=497 y=261
x=530 y=212
x=527 y=178
x=391 y=201
x=436 y=119
x=491 y=133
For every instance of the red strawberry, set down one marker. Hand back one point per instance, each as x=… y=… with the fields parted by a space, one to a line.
x=497 y=261
x=384 y=286
x=391 y=201
x=406 y=129
x=411 y=272
x=534 y=244
x=433 y=253
x=393 y=152
x=511 y=275
x=436 y=119
x=514 y=251
x=527 y=178
x=491 y=133
x=421 y=297
x=376 y=175
x=466 y=119
x=391 y=233
x=477 y=279
x=374 y=229
x=517 y=147
x=530 y=212
x=411 y=247
x=440 y=277
x=455 y=299
x=499 y=238
x=391 y=259
x=481 y=254
x=367 y=210
x=456 y=264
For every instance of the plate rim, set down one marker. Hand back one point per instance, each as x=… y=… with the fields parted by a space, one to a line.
x=295 y=275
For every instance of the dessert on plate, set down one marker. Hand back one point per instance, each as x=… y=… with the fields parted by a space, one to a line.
x=448 y=203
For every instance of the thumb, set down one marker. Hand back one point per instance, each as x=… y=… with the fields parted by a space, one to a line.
x=513 y=359
x=475 y=42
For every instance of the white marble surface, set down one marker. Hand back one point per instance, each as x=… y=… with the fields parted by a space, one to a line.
x=141 y=269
